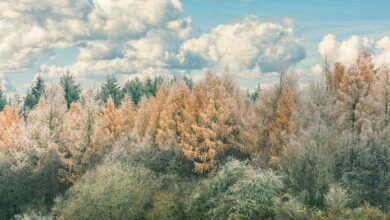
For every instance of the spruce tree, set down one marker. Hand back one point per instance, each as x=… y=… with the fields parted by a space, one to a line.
x=134 y=89
x=34 y=94
x=3 y=100
x=111 y=89
x=71 y=89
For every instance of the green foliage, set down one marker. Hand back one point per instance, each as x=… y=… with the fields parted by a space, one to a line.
x=135 y=89
x=189 y=82
x=151 y=85
x=363 y=169
x=110 y=88
x=3 y=100
x=34 y=94
x=112 y=191
x=71 y=89
x=29 y=188
x=308 y=173
x=336 y=200
x=287 y=207
x=168 y=202
x=144 y=154
x=238 y=191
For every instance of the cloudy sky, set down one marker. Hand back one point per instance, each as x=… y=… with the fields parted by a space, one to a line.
x=250 y=39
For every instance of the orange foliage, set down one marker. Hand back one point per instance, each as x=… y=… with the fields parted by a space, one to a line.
x=9 y=121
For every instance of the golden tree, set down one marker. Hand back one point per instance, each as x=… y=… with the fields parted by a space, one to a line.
x=354 y=106
x=211 y=123
x=10 y=120
x=172 y=116
x=110 y=124
x=282 y=126
x=108 y=130
x=128 y=115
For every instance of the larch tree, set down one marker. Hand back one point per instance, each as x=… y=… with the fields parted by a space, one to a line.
x=109 y=129
x=382 y=94
x=211 y=124
x=10 y=120
x=156 y=104
x=198 y=141
x=354 y=105
x=276 y=109
x=128 y=115
x=172 y=116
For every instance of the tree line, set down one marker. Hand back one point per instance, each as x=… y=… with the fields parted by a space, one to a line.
x=159 y=148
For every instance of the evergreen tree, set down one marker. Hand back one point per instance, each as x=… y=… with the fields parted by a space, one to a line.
x=110 y=88
x=71 y=89
x=189 y=82
x=134 y=89
x=34 y=94
x=3 y=100
x=151 y=85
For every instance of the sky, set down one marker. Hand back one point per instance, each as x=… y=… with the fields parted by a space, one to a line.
x=250 y=39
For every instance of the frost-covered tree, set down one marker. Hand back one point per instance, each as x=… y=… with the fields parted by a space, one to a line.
x=355 y=103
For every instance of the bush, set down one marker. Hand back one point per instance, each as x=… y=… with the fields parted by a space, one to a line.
x=363 y=170
x=29 y=188
x=112 y=191
x=288 y=207
x=336 y=200
x=238 y=191
x=144 y=154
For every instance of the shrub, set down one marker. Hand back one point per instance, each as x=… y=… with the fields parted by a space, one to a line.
x=237 y=191
x=112 y=191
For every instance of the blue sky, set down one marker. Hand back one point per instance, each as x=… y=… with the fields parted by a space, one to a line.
x=312 y=20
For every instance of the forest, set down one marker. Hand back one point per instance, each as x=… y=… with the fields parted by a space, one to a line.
x=167 y=148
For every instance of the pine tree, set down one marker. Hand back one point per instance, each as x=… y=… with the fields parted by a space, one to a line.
x=110 y=89
x=3 y=99
x=34 y=94
x=71 y=89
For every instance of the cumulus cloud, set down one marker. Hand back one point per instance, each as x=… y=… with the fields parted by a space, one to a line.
x=346 y=51
x=132 y=36
x=250 y=46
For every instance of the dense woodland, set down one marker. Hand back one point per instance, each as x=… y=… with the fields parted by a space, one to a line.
x=159 y=148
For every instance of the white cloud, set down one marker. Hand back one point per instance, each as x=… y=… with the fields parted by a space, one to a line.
x=247 y=46
x=346 y=51
x=131 y=36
